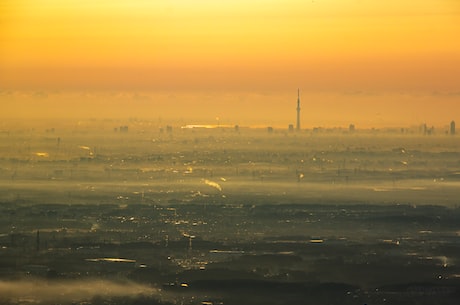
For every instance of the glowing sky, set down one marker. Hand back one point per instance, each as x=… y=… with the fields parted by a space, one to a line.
x=369 y=60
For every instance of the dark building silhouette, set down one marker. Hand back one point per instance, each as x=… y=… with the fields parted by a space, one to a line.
x=452 y=127
x=351 y=128
x=121 y=129
x=424 y=129
x=291 y=128
x=298 y=110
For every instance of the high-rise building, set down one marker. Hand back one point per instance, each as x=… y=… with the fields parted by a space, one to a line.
x=452 y=127
x=298 y=110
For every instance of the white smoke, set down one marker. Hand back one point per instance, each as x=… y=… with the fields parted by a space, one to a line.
x=213 y=184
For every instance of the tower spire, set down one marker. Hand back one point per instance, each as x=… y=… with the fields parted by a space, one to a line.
x=298 y=110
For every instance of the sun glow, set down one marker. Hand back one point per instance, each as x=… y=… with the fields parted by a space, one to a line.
x=235 y=47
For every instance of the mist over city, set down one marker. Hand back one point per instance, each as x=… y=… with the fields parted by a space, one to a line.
x=229 y=152
x=133 y=212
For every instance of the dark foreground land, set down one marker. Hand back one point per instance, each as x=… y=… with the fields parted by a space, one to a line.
x=92 y=215
x=202 y=253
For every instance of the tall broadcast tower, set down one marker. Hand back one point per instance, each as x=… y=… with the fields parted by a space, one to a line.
x=298 y=110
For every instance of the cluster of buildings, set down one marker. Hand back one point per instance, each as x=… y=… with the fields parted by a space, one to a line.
x=424 y=129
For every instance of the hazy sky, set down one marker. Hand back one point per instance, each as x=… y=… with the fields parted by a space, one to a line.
x=363 y=61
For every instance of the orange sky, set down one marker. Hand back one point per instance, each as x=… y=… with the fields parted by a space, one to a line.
x=366 y=61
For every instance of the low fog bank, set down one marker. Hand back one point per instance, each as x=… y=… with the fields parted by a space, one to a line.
x=68 y=291
x=142 y=162
x=233 y=191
